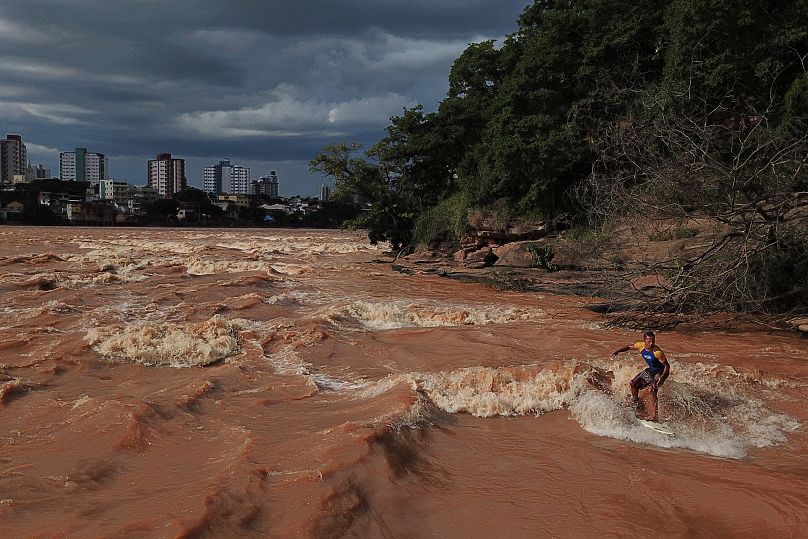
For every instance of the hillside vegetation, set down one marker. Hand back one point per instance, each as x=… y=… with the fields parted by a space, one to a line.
x=605 y=110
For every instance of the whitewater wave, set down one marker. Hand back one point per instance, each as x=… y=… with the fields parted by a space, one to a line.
x=167 y=344
x=405 y=314
x=710 y=408
x=206 y=266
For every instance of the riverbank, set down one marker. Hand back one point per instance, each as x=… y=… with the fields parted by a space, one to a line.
x=621 y=271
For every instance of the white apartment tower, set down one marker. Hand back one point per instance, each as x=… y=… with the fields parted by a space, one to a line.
x=225 y=177
x=325 y=192
x=13 y=158
x=167 y=175
x=83 y=166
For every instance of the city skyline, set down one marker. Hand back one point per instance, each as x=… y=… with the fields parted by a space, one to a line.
x=264 y=83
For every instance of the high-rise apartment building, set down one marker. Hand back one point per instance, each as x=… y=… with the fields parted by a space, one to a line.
x=265 y=185
x=325 y=192
x=83 y=166
x=167 y=175
x=13 y=158
x=225 y=177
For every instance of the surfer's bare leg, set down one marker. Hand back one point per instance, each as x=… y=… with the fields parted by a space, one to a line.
x=636 y=385
x=655 y=400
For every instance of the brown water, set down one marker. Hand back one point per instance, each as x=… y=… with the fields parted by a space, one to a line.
x=160 y=383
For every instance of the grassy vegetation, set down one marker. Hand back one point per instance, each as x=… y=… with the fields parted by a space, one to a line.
x=449 y=219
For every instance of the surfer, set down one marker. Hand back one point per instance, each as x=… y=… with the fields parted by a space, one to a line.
x=656 y=373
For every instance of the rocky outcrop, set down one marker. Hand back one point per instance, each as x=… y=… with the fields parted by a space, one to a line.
x=483 y=244
x=800 y=324
x=492 y=237
x=480 y=259
x=516 y=255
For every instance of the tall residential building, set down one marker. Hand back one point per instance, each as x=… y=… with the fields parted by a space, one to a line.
x=83 y=166
x=265 y=185
x=13 y=158
x=167 y=175
x=325 y=192
x=225 y=177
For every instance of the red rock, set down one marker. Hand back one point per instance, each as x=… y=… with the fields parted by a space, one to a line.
x=516 y=254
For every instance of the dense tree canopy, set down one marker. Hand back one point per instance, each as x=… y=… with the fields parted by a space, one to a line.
x=688 y=105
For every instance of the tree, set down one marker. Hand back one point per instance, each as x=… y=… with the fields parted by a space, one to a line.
x=747 y=179
x=164 y=209
x=368 y=181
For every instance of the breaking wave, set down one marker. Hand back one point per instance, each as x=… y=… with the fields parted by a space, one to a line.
x=207 y=266
x=405 y=314
x=709 y=407
x=167 y=344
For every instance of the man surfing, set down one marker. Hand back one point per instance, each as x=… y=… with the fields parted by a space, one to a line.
x=656 y=373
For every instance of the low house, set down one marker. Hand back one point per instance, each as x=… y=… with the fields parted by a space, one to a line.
x=241 y=201
x=11 y=211
x=276 y=208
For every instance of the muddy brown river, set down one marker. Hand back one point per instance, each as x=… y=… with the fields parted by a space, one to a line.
x=270 y=383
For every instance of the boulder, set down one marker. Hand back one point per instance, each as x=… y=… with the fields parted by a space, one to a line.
x=800 y=324
x=427 y=256
x=471 y=242
x=480 y=259
x=516 y=254
x=528 y=232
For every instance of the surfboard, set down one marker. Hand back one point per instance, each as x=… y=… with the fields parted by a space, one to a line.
x=661 y=428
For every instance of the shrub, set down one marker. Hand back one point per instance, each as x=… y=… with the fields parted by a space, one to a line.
x=449 y=220
x=542 y=256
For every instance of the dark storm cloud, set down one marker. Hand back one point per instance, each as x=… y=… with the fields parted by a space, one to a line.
x=416 y=18
x=258 y=80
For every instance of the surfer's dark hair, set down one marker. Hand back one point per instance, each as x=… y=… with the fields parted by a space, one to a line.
x=649 y=333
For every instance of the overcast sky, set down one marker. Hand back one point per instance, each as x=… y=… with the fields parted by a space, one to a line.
x=264 y=82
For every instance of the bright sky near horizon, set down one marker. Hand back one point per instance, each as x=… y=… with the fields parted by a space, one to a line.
x=265 y=83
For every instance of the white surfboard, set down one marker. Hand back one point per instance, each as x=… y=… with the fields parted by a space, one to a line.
x=661 y=428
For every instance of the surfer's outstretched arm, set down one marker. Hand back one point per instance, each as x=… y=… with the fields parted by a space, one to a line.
x=625 y=348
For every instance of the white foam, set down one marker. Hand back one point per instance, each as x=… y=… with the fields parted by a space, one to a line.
x=166 y=344
x=208 y=266
x=403 y=314
x=719 y=414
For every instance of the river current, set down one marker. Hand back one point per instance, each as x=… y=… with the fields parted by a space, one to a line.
x=273 y=383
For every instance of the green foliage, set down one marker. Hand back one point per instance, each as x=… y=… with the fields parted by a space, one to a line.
x=374 y=181
x=37 y=214
x=496 y=215
x=583 y=233
x=449 y=220
x=678 y=106
x=722 y=56
x=164 y=208
x=192 y=195
x=542 y=256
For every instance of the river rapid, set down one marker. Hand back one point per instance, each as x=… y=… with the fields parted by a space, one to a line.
x=269 y=383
